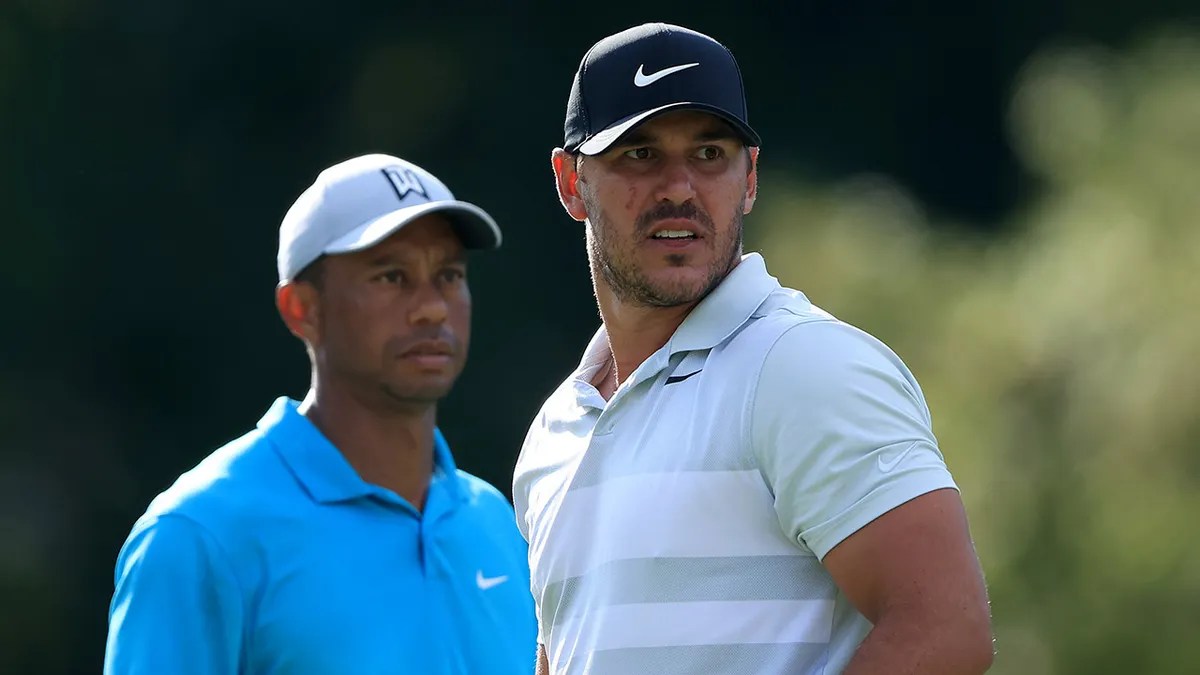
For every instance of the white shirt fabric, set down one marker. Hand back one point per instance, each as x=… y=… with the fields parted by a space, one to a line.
x=680 y=526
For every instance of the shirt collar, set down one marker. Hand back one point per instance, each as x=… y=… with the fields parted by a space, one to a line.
x=323 y=470
x=726 y=308
x=595 y=356
x=714 y=319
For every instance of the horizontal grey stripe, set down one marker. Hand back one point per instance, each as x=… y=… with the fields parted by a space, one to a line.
x=693 y=445
x=598 y=466
x=648 y=580
x=758 y=659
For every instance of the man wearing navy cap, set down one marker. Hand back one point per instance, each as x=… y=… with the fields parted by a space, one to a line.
x=338 y=536
x=732 y=480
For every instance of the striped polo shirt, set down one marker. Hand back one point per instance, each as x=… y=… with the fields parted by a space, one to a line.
x=680 y=526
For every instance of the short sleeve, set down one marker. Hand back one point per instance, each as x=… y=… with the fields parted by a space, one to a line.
x=520 y=486
x=841 y=432
x=177 y=607
x=522 y=482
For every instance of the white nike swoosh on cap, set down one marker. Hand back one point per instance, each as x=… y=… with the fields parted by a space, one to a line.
x=485 y=583
x=641 y=79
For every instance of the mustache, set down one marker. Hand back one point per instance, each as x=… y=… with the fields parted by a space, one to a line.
x=666 y=210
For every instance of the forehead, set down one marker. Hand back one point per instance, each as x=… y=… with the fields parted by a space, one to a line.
x=682 y=124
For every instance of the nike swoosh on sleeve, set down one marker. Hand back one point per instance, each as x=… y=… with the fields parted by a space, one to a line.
x=887 y=465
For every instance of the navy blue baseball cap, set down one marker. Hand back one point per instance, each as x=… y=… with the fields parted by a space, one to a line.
x=632 y=76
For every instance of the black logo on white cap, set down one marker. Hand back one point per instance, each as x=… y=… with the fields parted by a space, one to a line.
x=405 y=181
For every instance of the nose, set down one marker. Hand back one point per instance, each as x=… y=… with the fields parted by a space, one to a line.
x=429 y=305
x=676 y=185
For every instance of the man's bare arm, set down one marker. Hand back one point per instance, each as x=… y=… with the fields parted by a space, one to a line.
x=914 y=574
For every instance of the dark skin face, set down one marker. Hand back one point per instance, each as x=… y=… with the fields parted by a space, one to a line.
x=390 y=324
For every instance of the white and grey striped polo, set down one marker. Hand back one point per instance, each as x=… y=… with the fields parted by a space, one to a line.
x=680 y=526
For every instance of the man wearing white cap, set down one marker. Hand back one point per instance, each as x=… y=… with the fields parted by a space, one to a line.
x=338 y=536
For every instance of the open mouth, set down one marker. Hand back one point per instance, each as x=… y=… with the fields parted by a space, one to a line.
x=674 y=235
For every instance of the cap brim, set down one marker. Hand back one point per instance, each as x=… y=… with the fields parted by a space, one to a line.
x=611 y=134
x=474 y=227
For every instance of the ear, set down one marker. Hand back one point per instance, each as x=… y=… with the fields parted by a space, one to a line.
x=566 y=178
x=299 y=307
x=751 y=182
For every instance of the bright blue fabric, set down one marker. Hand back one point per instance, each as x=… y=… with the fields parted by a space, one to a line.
x=274 y=556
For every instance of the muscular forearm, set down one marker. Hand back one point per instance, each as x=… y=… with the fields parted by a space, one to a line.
x=899 y=645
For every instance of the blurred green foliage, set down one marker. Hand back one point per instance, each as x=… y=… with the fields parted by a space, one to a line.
x=1060 y=360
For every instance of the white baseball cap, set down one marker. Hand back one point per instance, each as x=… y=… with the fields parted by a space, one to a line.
x=358 y=203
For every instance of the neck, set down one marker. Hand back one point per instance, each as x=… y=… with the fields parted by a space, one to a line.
x=634 y=333
x=391 y=448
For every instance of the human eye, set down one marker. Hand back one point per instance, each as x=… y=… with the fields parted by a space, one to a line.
x=709 y=153
x=453 y=275
x=391 y=276
x=638 y=153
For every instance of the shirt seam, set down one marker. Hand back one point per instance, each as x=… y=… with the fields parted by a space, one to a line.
x=753 y=393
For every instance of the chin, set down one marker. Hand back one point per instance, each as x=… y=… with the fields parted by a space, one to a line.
x=680 y=282
x=427 y=389
x=673 y=295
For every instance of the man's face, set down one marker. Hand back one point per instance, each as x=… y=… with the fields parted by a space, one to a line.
x=664 y=207
x=394 y=319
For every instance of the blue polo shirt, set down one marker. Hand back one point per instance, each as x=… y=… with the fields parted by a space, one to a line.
x=273 y=556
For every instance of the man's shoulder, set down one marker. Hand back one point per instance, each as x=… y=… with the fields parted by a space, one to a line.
x=794 y=323
x=488 y=510
x=782 y=312
x=814 y=354
x=792 y=341
x=787 y=307
x=482 y=494
x=222 y=489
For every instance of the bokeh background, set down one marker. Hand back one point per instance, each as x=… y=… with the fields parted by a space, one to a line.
x=1006 y=193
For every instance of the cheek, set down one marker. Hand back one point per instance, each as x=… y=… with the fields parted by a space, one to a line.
x=460 y=317
x=723 y=202
x=363 y=323
x=626 y=197
x=632 y=198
